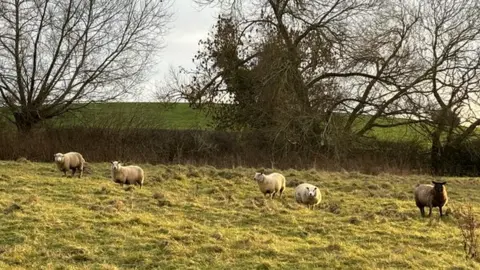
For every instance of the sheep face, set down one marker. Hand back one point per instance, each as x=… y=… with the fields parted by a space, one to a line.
x=311 y=192
x=438 y=186
x=59 y=157
x=116 y=165
x=259 y=176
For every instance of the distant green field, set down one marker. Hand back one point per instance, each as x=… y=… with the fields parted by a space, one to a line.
x=176 y=116
x=152 y=115
x=125 y=114
x=131 y=114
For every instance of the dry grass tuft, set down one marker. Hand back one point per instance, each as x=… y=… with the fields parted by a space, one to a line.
x=12 y=208
x=22 y=160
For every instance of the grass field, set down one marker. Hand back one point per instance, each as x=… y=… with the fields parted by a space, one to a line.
x=173 y=116
x=177 y=116
x=189 y=217
x=118 y=114
x=155 y=115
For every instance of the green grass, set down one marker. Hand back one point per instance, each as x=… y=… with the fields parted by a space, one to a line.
x=396 y=133
x=189 y=217
x=174 y=116
x=181 y=116
x=156 y=115
x=131 y=114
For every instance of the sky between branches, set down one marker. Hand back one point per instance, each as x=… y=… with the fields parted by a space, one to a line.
x=190 y=23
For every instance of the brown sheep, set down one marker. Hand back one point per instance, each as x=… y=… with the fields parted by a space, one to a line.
x=431 y=196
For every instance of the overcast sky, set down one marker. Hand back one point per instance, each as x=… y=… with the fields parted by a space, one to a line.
x=189 y=25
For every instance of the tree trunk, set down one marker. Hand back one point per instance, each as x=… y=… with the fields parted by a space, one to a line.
x=25 y=122
x=436 y=155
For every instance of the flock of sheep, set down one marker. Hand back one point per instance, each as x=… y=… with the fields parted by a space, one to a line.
x=126 y=175
x=271 y=184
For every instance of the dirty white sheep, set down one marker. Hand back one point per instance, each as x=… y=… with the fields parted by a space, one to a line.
x=70 y=161
x=308 y=194
x=127 y=175
x=270 y=184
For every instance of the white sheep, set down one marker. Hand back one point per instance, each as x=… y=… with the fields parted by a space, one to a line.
x=127 y=175
x=308 y=194
x=270 y=184
x=70 y=161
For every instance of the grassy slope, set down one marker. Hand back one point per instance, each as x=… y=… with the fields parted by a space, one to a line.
x=180 y=116
x=158 y=115
x=173 y=116
x=151 y=115
x=203 y=218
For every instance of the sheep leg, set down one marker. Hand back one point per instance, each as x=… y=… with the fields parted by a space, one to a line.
x=422 y=211
x=440 y=209
x=73 y=172
x=64 y=173
x=81 y=172
x=139 y=183
x=430 y=211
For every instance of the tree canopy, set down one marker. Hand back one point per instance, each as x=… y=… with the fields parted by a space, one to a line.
x=323 y=71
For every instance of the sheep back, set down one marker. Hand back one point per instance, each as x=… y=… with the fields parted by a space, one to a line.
x=274 y=182
x=129 y=175
x=71 y=160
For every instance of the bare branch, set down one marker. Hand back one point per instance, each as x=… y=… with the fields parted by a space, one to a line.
x=64 y=52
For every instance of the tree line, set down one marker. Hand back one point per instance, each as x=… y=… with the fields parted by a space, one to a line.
x=328 y=72
x=317 y=74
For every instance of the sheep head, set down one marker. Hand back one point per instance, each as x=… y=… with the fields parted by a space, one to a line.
x=438 y=186
x=311 y=193
x=116 y=165
x=59 y=157
x=259 y=176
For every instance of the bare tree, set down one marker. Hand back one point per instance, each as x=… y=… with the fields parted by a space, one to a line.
x=349 y=66
x=304 y=39
x=319 y=58
x=448 y=102
x=56 y=54
x=381 y=70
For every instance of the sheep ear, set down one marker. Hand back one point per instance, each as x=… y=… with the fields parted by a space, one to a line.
x=315 y=189
x=307 y=188
x=434 y=182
